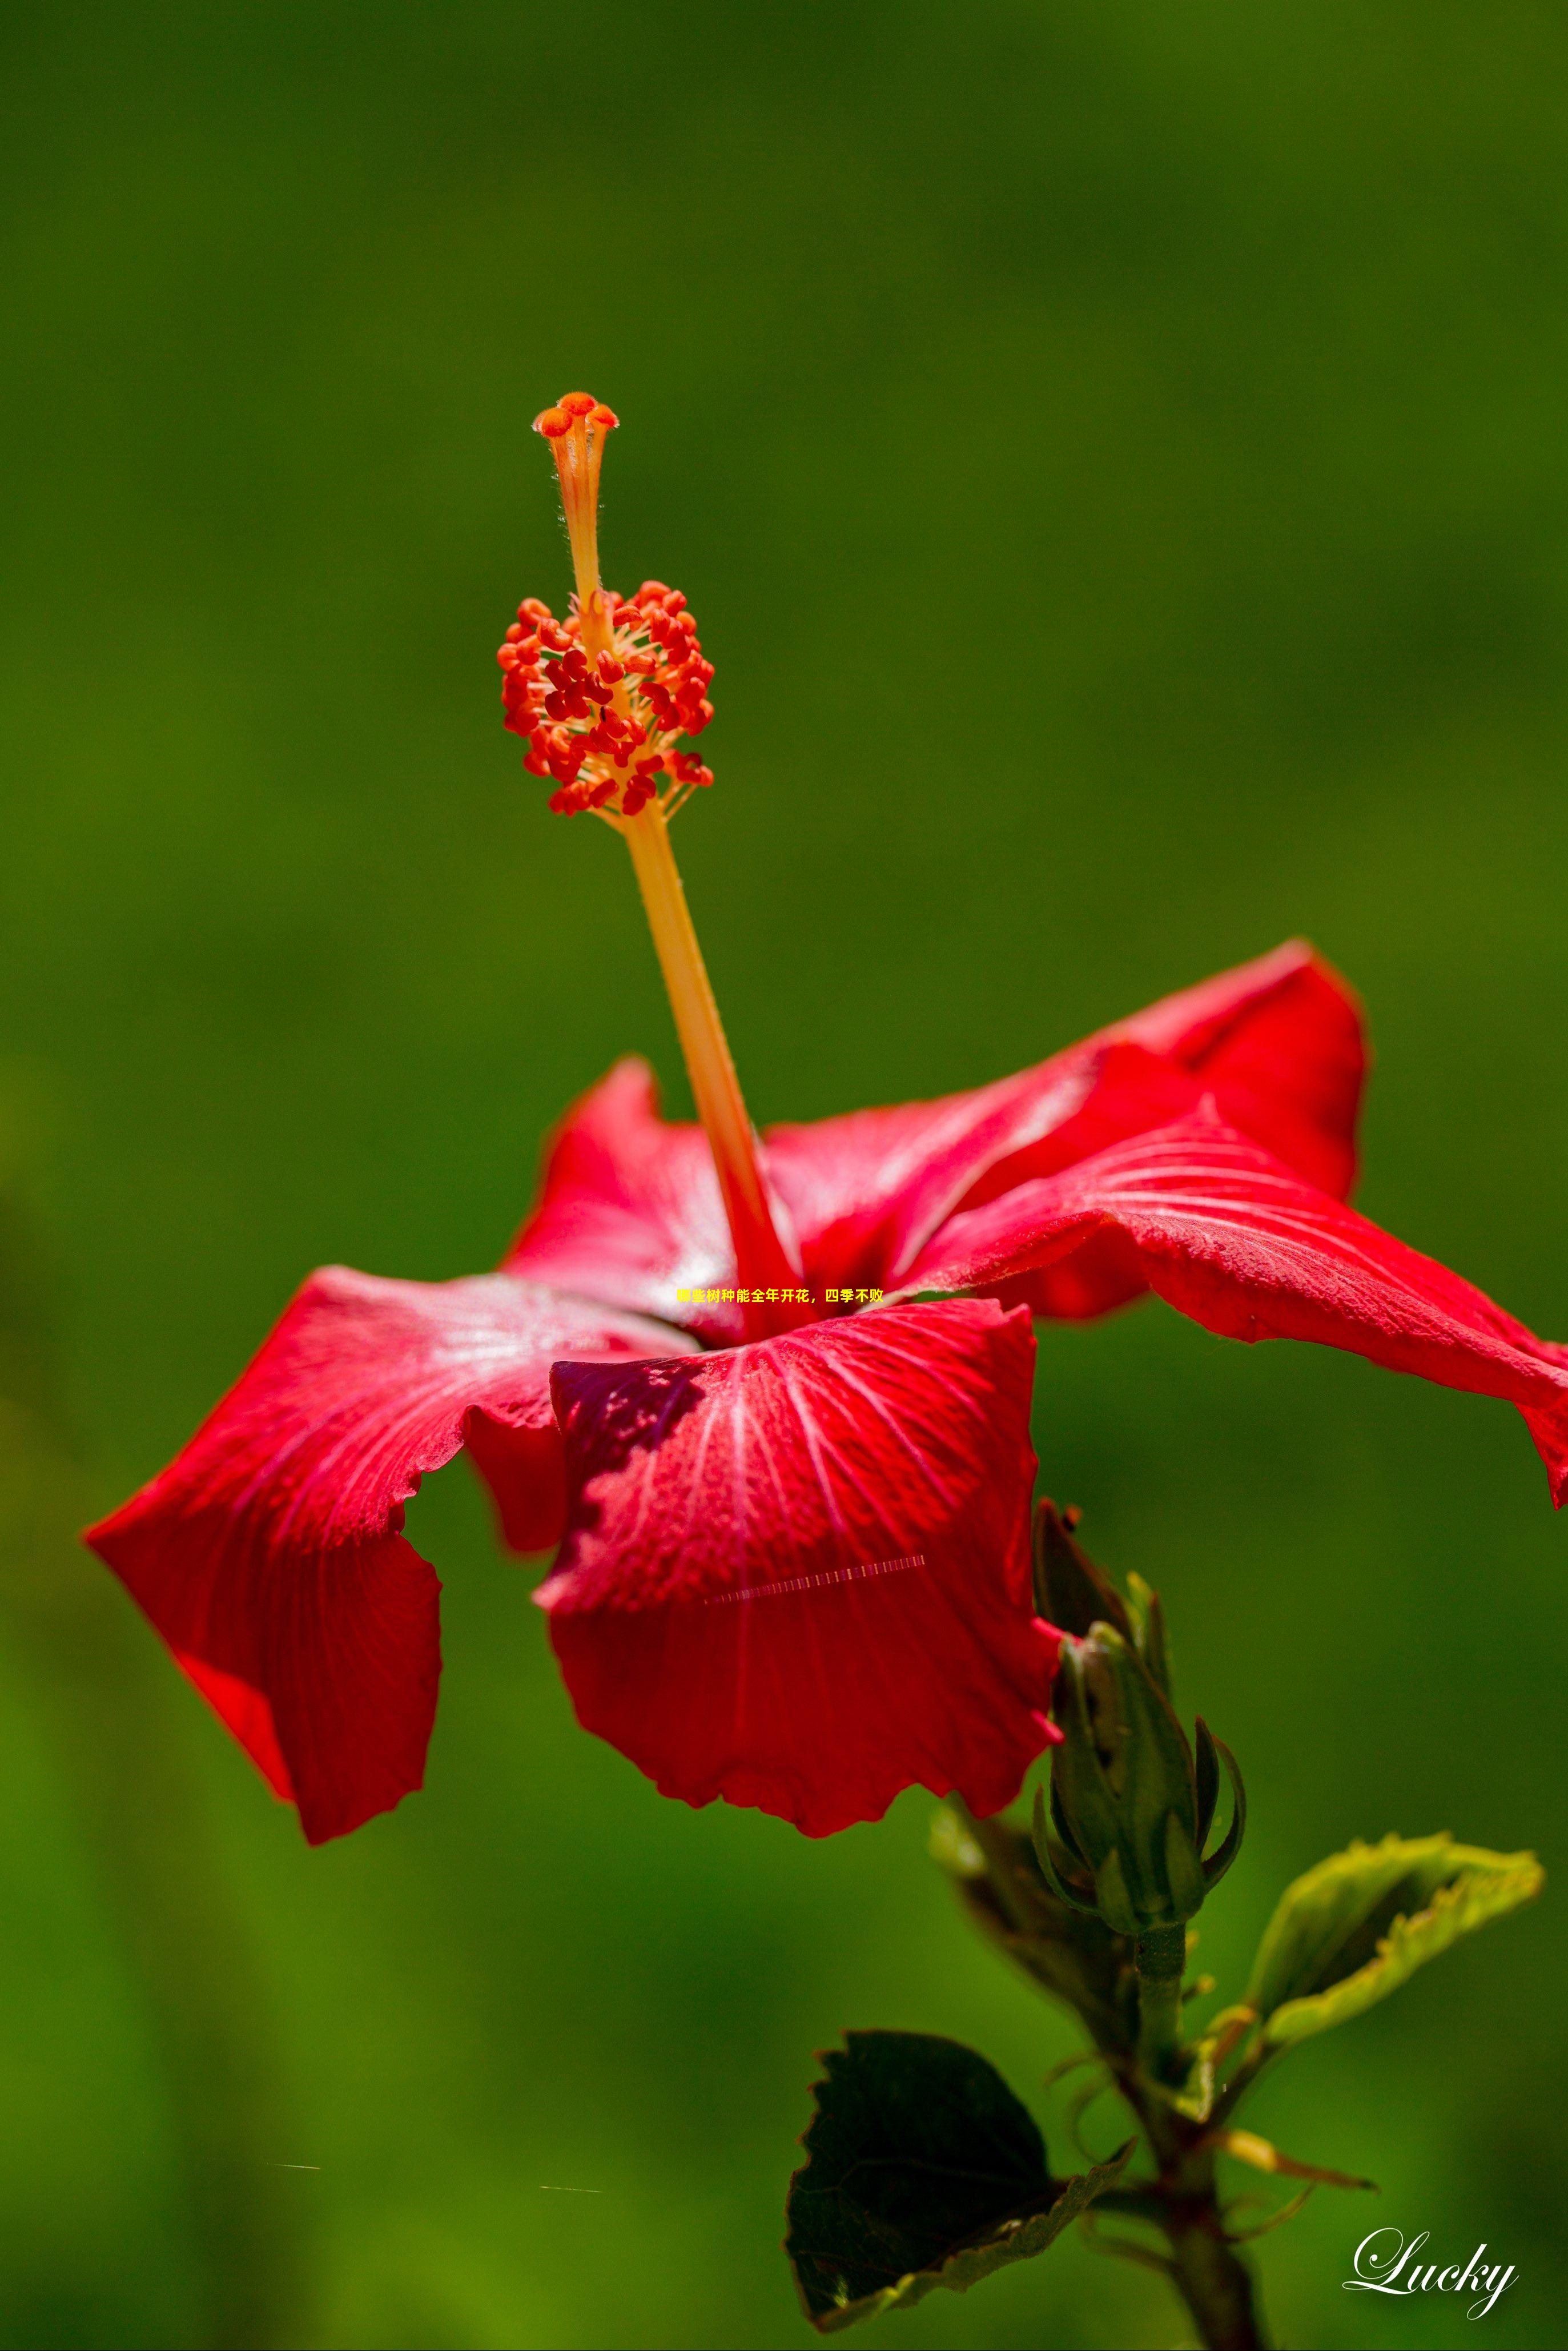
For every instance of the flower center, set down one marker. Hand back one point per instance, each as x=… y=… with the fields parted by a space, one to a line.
x=602 y=698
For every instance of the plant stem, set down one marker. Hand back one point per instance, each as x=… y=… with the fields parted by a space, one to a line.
x=1211 y=2277
x=1206 y=2270
x=1160 y=1957
x=1182 y=2200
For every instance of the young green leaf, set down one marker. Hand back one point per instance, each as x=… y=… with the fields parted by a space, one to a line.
x=922 y=2170
x=1352 y=1929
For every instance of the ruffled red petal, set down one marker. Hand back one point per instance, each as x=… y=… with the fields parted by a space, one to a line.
x=630 y=1211
x=1277 y=1042
x=269 y=1556
x=1238 y=1241
x=797 y=1574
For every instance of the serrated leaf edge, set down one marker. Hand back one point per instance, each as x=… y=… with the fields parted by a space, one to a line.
x=1015 y=2240
x=1490 y=1892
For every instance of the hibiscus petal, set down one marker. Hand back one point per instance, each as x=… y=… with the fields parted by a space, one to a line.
x=797 y=1574
x=1235 y=1240
x=630 y=1211
x=1277 y=1042
x=270 y=1555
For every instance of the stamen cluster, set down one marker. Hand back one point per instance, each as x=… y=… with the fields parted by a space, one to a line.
x=605 y=730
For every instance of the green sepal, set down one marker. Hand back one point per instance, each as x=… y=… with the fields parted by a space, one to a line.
x=1122 y=1777
x=1183 y=1871
x=1220 y=1859
x=1112 y=1898
x=922 y=2170
x=1205 y=1772
x=1352 y=1929
x=1063 y=1827
x=1050 y=1869
x=1149 y=1635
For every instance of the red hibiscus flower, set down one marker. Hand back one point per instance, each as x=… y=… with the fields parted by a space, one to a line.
x=789 y=1483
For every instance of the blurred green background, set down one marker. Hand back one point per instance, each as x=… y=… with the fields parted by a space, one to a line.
x=1117 y=457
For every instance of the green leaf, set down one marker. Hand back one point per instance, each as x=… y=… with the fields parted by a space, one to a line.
x=1352 y=1930
x=922 y=2170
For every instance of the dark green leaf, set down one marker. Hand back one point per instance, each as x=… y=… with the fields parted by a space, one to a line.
x=922 y=2170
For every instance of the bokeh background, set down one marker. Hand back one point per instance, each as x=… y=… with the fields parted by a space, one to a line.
x=1118 y=457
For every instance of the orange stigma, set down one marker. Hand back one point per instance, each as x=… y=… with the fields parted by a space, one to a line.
x=575 y=429
x=601 y=699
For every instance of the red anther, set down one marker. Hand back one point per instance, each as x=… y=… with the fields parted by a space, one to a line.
x=604 y=729
x=552 y=423
x=605 y=418
x=576 y=403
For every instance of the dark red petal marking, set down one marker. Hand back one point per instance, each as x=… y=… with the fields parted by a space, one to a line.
x=1277 y=1042
x=797 y=1575
x=269 y=1553
x=1235 y=1240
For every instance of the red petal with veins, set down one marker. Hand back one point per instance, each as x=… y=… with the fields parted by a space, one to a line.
x=630 y=1211
x=1277 y=1042
x=1281 y=1047
x=797 y=1574
x=1238 y=1241
x=270 y=1555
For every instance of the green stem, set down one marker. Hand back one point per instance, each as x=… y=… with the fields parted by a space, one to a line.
x=1184 y=2203
x=1182 y=2200
x=1160 y=1957
x=1211 y=2278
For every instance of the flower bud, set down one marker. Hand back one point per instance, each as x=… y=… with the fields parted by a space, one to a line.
x=1132 y=1802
